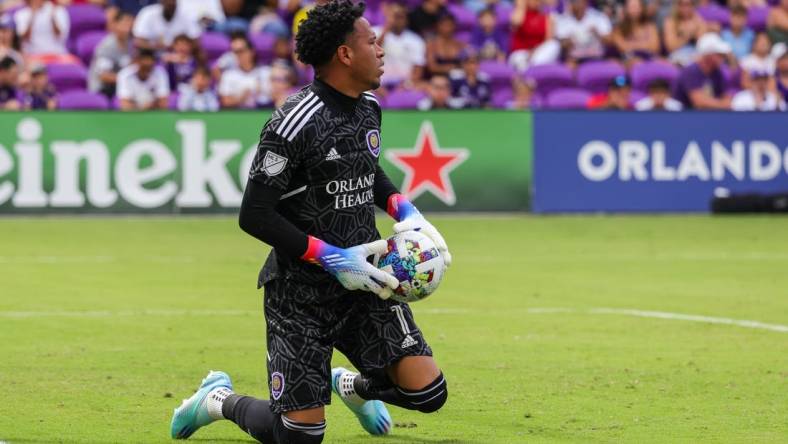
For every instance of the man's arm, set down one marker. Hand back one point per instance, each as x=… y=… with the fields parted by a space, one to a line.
x=260 y=219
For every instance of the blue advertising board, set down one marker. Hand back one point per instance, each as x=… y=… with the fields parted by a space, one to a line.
x=655 y=162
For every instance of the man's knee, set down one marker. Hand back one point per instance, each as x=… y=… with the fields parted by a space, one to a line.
x=429 y=398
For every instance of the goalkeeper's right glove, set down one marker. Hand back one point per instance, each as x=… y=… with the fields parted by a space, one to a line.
x=350 y=267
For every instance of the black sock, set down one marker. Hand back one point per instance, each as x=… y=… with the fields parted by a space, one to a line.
x=253 y=416
x=427 y=399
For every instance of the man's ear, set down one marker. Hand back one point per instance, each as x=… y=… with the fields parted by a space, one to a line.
x=344 y=54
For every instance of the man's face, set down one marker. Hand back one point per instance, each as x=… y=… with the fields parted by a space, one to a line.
x=659 y=96
x=579 y=7
x=760 y=84
x=123 y=27
x=169 y=7
x=242 y=52
x=439 y=91
x=366 y=64
x=398 y=18
x=738 y=21
x=145 y=65
x=619 y=97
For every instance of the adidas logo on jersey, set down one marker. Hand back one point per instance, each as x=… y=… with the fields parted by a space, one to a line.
x=333 y=155
x=408 y=342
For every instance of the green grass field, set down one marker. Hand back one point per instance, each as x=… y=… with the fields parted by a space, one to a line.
x=106 y=324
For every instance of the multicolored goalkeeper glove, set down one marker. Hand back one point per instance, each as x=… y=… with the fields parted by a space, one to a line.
x=350 y=267
x=408 y=218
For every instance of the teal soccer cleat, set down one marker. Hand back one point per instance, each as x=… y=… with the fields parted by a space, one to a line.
x=373 y=415
x=193 y=412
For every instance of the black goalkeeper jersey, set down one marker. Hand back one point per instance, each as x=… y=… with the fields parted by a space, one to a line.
x=321 y=150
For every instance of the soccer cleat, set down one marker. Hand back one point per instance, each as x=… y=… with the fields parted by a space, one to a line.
x=373 y=415
x=193 y=412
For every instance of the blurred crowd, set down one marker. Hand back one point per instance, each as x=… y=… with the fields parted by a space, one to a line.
x=206 y=55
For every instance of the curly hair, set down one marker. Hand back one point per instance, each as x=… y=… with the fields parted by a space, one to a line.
x=325 y=29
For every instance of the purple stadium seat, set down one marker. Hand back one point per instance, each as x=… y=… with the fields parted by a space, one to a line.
x=756 y=18
x=500 y=73
x=81 y=99
x=567 y=98
x=67 y=77
x=595 y=76
x=635 y=96
x=715 y=13
x=404 y=99
x=172 y=100
x=463 y=36
x=214 y=44
x=375 y=16
x=501 y=97
x=550 y=77
x=264 y=46
x=84 y=18
x=87 y=43
x=503 y=13
x=644 y=73
x=466 y=19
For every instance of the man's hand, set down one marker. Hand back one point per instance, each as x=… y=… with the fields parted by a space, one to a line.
x=350 y=267
x=410 y=219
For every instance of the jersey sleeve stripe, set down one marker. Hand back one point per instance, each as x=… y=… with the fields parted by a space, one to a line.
x=299 y=117
x=304 y=121
x=293 y=112
x=371 y=97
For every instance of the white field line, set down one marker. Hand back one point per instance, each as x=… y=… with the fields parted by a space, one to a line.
x=745 y=323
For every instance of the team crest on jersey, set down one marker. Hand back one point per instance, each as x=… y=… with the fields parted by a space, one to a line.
x=373 y=142
x=277 y=385
x=273 y=164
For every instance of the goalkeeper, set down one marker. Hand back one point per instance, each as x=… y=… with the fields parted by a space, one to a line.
x=311 y=194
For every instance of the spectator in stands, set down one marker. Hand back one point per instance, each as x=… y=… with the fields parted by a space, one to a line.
x=112 y=54
x=197 y=94
x=132 y=7
x=269 y=21
x=9 y=89
x=523 y=89
x=405 y=50
x=283 y=80
x=228 y=60
x=470 y=87
x=143 y=85
x=532 y=41
x=182 y=60
x=759 y=96
x=156 y=26
x=777 y=22
x=636 y=37
x=658 y=98
x=490 y=41
x=681 y=31
x=583 y=32
x=424 y=19
x=617 y=97
x=247 y=86
x=701 y=85
x=9 y=41
x=42 y=94
x=739 y=36
x=239 y=13
x=43 y=27
x=760 y=59
x=439 y=95
x=782 y=76
x=208 y=13
x=443 y=49
x=283 y=51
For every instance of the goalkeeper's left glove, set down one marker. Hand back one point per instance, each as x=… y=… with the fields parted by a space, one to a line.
x=409 y=218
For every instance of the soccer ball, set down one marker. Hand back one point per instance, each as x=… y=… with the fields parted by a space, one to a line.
x=416 y=263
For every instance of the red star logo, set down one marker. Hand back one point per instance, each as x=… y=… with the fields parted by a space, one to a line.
x=427 y=166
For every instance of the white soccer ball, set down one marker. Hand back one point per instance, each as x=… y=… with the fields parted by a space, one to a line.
x=415 y=261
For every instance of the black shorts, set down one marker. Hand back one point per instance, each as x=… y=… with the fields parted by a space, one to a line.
x=301 y=336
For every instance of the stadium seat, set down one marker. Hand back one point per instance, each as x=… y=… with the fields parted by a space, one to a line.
x=214 y=44
x=463 y=36
x=86 y=45
x=756 y=18
x=567 y=98
x=263 y=46
x=595 y=76
x=172 y=101
x=500 y=73
x=550 y=77
x=82 y=100
x=501 y=97
x=503 y=14
x=84 y=18
x=67 y=76
x=375 y=16
x=715 y=13
x=466 y=19
x=404 y=99
x=644 y=73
